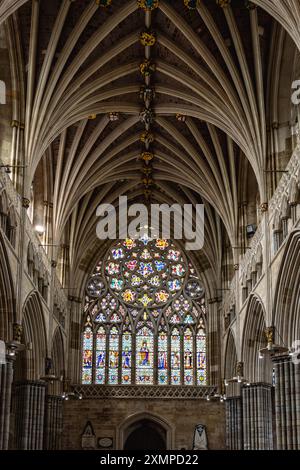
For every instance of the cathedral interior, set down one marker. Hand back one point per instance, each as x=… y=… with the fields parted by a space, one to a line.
x=137 y=344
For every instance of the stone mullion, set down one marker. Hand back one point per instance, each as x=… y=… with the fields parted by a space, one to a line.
x=106 y=371
x=169 y=354
x=155 y=357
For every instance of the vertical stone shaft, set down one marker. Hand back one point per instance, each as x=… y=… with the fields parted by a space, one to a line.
x=53 y=423
x=6 y=377
x=287 y=400
x=257 y=417
x=30 y=411
x=234 y=423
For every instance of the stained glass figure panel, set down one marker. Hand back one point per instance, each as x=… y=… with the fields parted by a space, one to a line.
x=126 y=358
x=162 y=358
x=201 y=357
x=144 y=357
x=87 y=360
x=188 y=357
x=175 y=357
x=113 y=357
x=100 y=356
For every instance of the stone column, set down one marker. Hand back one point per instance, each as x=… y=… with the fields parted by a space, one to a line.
x=234 y=423
x=6 y=378
x=53 y=423
x=29 y=414
x=257 y=417
x=287 y=403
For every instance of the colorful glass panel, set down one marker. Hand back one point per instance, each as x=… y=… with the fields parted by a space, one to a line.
x=188 y=357
x=113 y=356
x=87 y=360
x=144 y=356
x=100 y=356
x=175 y=357
x=201 y=356
x=144 y=283
x=126 y=357
x=162 y=358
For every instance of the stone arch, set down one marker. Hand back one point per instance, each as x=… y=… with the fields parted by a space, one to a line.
x=30 y=364
x=286 y=309
x=254 y=339
x=7 y=295
x=230 y=361
x=132 y=422
x=58 y=359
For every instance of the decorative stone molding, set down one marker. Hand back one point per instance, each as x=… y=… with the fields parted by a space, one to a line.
x=154 y=392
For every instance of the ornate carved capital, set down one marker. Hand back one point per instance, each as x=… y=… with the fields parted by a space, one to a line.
x=17 y=332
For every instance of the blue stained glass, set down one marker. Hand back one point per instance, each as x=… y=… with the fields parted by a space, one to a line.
x=116 y=284
x=145 y=269
x=160 y=265
x=100 y=318
x=174 y=285
x=118 y=253
x=188 y=319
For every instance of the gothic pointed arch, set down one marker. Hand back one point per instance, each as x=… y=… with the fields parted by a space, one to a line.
x=254 y=339
x=7 y=295
x=286 y=309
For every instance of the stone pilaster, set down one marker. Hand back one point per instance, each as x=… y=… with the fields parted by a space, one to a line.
x=287 y=403
x=234 y=423
x=53 y=422
x=6 y=378
x=29 y=415
x=257 y=417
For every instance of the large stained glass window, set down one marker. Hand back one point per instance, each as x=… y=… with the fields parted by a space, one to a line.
x=144 y=318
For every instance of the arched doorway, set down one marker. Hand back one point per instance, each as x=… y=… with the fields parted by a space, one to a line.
x=145 y=435
x=145 y=431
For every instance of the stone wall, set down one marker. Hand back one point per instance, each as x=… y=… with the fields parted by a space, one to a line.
x=108 y=416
